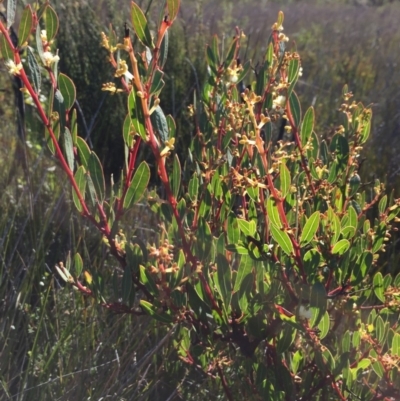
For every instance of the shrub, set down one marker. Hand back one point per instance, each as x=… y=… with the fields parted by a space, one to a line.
x=265 y=264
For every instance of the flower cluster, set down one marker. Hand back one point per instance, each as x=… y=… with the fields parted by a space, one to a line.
x=48 y=57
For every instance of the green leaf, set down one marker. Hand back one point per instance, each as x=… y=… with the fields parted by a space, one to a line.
x=396 y=345
x=245 y=289
x=346 y=342
x=127 y=131
x=136 y=254
x=293 y=73
x=5 y=49
x=387 y=281
x=324 y=325
x=231 y=53
x=282 y=238
x=286 y=339
x=378 y=286
x=340 y=146
x=378 y=369
x=155 y=313
x=147 y=280
x=353 y=219
x=233 y=229
x=164 y=50
x=138 y=185
x=83 y=151
x=396 y=282
x=173 y=8
x=193 y=188
x=25 y=25
x=362 y=267
x=237 y=248
x=379 y=237
x=78 y=264
x=341 y=247
x=256 y=249
x=307 y=126
x=348 y=232
x=297 y=358
x=91 y=189
x=160 y=123
x=136 y=113
x=200 y=308
x=382 y=205
x=51 y=24
x=269 y=55
x=363 y=364
x=80 y=179
x=334 y=225
x=171 y=126
x=380 y=330
x=211 y=59
x=212 y=55
x=245 y=268
x=11 y=8
x=74 y=127
x=224 y=280
x=59 y=107
x=244 y=226
x=34 y=70
x=139 y=23
x=328 y=359
x=318 y=303
x=69 y=149
x=67 y=89
x=310 y=228
x=311 y=259
x=157 y=83
x=295 y=108
x=253 y=192
x=284 y=176
x=342 y=363
x=245 y=71
x=279 y=21
x=273 y=213
x=176 y=176
x=354 y=185
x=177 y=276
x=204 y=239
x=97 y=176
x=356 y=339
x=205 y=203
x=365 y=131
x=324 y=152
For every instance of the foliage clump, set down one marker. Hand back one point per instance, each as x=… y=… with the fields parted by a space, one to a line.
x=265 y=264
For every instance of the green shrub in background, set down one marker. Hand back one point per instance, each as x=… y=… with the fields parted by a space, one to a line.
x=263 y=271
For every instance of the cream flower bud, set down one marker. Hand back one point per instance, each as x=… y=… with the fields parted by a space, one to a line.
x=13 y=69
x=50 y=58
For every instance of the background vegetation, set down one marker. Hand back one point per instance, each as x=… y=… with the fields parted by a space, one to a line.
x=57 y=345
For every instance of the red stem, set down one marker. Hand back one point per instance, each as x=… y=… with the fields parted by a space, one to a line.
x=224 y=383
x=132 y=160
